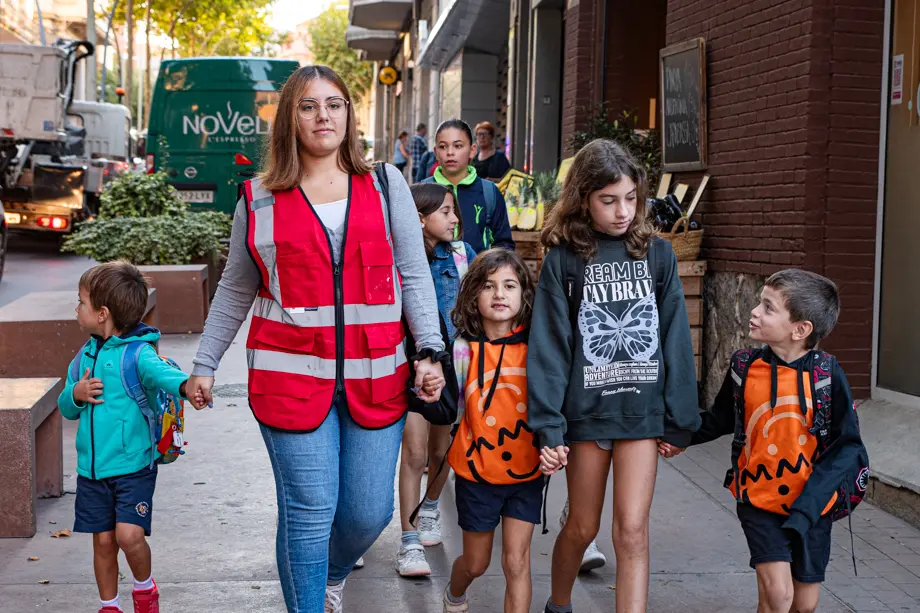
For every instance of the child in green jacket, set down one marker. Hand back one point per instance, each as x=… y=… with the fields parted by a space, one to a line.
x=116 y=465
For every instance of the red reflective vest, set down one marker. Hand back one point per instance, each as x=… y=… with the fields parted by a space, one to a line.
x=320 y=329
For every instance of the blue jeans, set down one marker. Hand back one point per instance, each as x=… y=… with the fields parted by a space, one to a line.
x=335 y=496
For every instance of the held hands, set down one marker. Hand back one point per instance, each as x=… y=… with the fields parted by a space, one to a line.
x=198 y=391
x=553 y=460
x=667 y=450
x=86 y=390
x=429 y=380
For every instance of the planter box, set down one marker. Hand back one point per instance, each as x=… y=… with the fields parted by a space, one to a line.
x=183 y=295
x=33 y=451
x=39 y=334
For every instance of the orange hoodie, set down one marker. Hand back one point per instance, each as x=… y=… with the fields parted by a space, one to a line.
x=493 y=443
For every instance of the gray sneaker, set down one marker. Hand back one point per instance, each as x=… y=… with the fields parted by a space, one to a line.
x=592 y=559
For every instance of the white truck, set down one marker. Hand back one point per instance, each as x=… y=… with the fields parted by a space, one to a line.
x=56 y=154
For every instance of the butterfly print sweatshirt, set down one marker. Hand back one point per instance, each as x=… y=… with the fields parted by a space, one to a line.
x=623 y=368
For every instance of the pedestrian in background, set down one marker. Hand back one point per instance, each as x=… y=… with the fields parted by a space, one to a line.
x=400 y=152
x=418 y=147
x=333 y=259
x=489 y=162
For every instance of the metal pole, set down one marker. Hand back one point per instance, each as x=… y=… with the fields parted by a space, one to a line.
x=105 y=49
x=91 y=61
x=140 y=103
x=41 y=23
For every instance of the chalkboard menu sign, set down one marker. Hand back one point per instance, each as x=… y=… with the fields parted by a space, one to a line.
x=683 y=106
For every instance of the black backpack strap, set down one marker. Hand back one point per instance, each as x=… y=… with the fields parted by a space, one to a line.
x=381 y=171
x=574 y=266
x=740 y=364
x=821 y=370
x=656 y=264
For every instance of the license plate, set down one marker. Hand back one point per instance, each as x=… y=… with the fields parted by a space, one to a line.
x=199 y=196
x=12 y=218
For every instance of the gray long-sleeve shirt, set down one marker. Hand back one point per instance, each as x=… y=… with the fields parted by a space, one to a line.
x=241 y=279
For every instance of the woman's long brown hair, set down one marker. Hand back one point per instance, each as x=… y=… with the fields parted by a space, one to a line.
x=466 y=316
x=282 y=169
x=599 y=164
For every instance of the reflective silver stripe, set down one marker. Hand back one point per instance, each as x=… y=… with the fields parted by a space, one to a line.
x=319 y=317
x=255 y=205
x=735 y=376
x=383 y=202
x=822 y=383
x=320 y=368
x=264 y=235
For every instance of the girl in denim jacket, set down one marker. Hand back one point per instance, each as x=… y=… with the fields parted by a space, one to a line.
x=424 y=443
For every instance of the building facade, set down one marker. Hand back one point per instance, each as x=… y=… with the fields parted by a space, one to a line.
x=812 y=128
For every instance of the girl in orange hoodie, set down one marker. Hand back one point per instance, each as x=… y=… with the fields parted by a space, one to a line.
x=493 y=453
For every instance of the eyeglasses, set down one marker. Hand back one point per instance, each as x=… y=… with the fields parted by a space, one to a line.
x=482 y=134
x=308 y=108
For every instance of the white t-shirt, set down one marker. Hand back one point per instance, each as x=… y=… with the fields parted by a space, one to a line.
x=332 y=214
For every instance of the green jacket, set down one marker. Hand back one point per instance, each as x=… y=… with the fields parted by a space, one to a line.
x=113 y=438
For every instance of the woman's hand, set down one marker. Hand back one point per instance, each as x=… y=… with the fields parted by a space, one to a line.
x=430 y=369
x=198 y=391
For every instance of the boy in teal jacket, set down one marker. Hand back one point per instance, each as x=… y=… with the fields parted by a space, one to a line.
x=115 y=454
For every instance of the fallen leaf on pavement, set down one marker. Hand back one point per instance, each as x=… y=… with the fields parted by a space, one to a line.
x=52 y=522
x=33 y=559
x=200 y=483
x=612 y=587
x=255 y=587
x=60 y=533
x=45 y=581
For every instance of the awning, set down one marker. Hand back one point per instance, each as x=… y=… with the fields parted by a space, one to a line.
x=377 y=45
x=477 y=25
x=379 y=14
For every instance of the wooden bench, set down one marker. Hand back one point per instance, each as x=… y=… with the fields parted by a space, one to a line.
x=32 y=457
x=39 y=334
x=183 y=296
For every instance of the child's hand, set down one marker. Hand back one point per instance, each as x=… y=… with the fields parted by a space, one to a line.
x=667 y=450
x=86 y=390
x=552 y=460
x=433 y=383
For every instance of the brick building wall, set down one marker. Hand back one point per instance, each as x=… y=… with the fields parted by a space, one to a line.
x=794 y=88
x=580 y=85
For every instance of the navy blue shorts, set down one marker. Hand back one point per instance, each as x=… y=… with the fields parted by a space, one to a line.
x=768 y=542
x=102 y=503
x=480 y=506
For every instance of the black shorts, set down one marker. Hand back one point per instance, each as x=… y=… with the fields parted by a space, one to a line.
x=480 y=506
x=768 y=542
x=128 y=499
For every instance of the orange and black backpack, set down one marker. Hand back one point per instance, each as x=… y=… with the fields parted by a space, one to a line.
x=849 y=493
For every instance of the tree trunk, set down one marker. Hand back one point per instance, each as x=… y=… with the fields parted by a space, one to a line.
x=172 y=28
x=147 y=89
x=129 y=85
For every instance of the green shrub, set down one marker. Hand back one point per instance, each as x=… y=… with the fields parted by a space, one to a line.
x=165 y=239
x=140 y=195
x=644 y=145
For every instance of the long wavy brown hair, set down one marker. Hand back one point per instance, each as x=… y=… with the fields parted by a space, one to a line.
x=599 y=164
x=282 y=168
x=466 y=316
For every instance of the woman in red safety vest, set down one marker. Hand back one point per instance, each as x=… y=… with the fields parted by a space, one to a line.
x=328 y=253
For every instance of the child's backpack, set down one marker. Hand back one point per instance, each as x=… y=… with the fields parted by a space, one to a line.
x=849 y=495
x=166 y=418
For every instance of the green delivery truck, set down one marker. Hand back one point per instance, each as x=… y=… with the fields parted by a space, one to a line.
x=208 y=120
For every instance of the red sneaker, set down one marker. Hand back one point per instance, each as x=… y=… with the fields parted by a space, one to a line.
x=110 y=610
x=147 y=601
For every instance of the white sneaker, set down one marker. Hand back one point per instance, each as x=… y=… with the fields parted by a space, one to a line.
x=334 y=598
x=592 y=559
x=450 y=607
x=411 y=562
x=429 y=528
x=360 y=562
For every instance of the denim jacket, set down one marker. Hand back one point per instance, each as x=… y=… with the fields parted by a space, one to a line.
x=447 y=280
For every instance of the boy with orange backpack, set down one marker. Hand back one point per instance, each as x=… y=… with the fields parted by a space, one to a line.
x=798 y=461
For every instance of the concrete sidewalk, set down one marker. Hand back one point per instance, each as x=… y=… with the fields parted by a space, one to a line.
x=215 y=519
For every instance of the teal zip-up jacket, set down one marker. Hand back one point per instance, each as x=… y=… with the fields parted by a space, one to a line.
x=113 y=438
x=471 y=202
